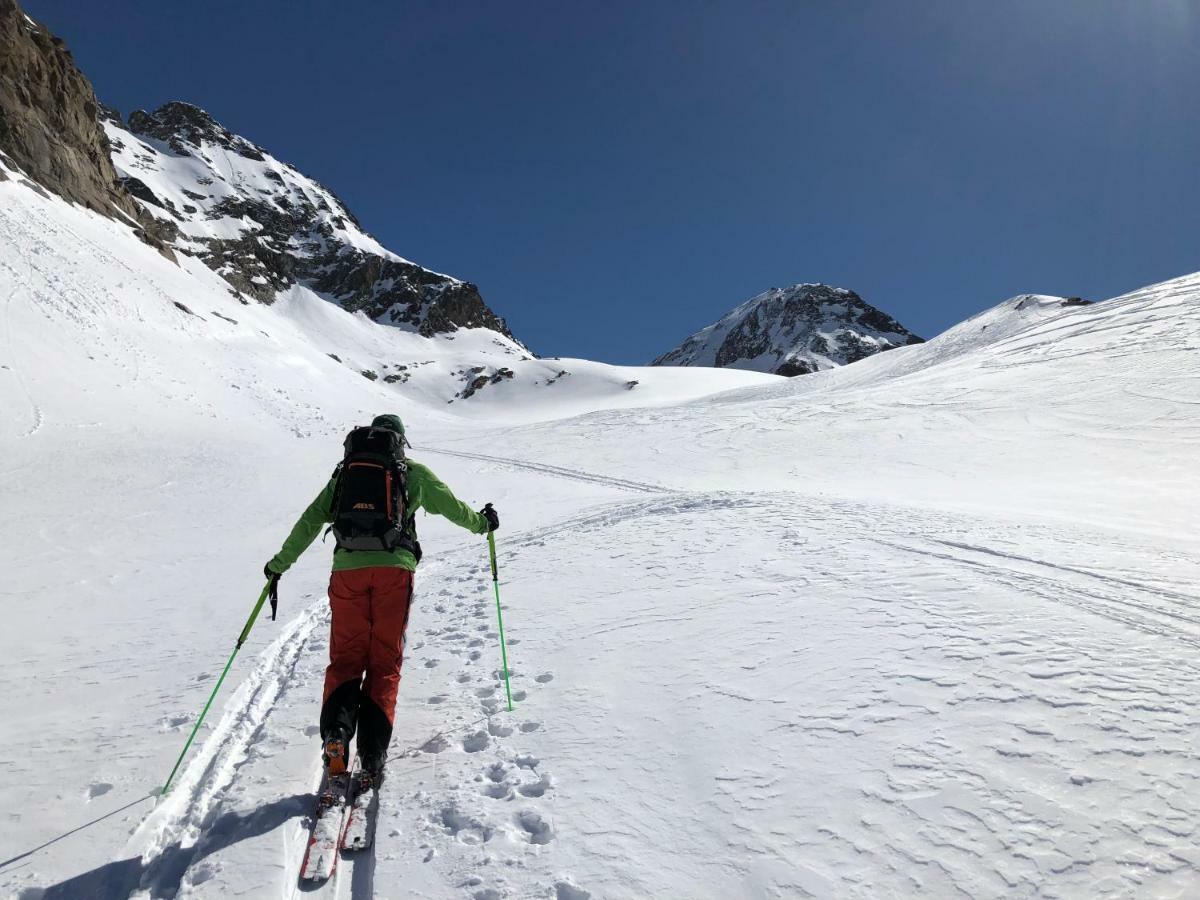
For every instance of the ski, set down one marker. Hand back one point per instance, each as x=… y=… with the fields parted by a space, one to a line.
x=360 y=822
x=325 y=839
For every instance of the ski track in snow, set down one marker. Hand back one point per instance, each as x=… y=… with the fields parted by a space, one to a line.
x=470 y=801
x=718 y=693
x=35 y=410
x=557 y=471
x=173 y=846
x=169 y=849
x=178 y=829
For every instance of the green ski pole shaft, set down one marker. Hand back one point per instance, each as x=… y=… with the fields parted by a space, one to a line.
x=499 y=616
x=213 y=696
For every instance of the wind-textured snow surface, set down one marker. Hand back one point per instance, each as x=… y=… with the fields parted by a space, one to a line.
x=924 y=625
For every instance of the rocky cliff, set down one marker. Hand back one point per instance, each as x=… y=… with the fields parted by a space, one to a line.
x=49 y=128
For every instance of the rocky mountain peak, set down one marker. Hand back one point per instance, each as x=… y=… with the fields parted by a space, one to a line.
x=184 y=127
x=264 y=226
x=793 y=331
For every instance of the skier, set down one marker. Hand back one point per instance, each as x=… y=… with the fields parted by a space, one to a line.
x=370 y=589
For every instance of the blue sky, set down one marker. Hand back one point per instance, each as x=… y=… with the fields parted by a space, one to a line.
x=617 y=175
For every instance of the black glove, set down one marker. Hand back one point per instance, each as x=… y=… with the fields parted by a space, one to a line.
x=493 y=520
x=272 y=577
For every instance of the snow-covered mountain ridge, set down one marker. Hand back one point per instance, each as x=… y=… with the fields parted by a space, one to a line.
x=264 y=227
x=793 y=331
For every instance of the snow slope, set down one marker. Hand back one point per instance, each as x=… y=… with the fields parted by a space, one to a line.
x=925 y=624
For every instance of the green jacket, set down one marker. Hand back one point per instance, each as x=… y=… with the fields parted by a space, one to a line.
x=425 y=491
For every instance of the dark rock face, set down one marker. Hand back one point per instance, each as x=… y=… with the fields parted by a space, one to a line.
x=401 y=293
x=264 y=227
x=793 y=331
x=182 y=126
x=49 y=124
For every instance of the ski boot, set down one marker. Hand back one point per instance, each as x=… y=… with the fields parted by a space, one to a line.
x=370 y=773
x=333 y=755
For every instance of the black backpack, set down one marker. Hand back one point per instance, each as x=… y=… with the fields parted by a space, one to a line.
x=370 y=503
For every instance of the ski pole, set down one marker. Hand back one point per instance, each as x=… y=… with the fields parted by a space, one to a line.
x=213 y=696
x=499 y=616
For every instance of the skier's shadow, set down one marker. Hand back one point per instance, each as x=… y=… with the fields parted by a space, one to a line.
x=163 y=874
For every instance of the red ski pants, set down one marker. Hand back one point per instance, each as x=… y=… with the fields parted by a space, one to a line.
x=366 y=649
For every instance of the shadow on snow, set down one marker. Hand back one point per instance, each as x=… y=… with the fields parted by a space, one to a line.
x=163 y=873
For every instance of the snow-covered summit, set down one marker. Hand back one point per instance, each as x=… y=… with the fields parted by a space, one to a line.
x=793 y=331
x=265 y=227
x=184 y=126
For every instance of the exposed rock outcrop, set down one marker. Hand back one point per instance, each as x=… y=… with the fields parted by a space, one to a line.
x=793 y=331
x=49 y=124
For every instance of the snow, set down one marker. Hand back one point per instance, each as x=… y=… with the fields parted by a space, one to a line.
x=924 y=624
x=214 y=174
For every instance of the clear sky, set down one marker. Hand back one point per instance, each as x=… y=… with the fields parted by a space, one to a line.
x=616 y=175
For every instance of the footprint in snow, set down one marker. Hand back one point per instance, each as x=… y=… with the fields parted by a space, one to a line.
x=476 y=742
x=497 y=791
x=530 y=726
x=538 y=829
x=435 y=744
x=431 y=663
x=98 y=789
x=495 y=729
x=464 y=827
x=544 y=678
x=564 y=890
x=518 y=696
x=537 y=788
x=436 y=698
